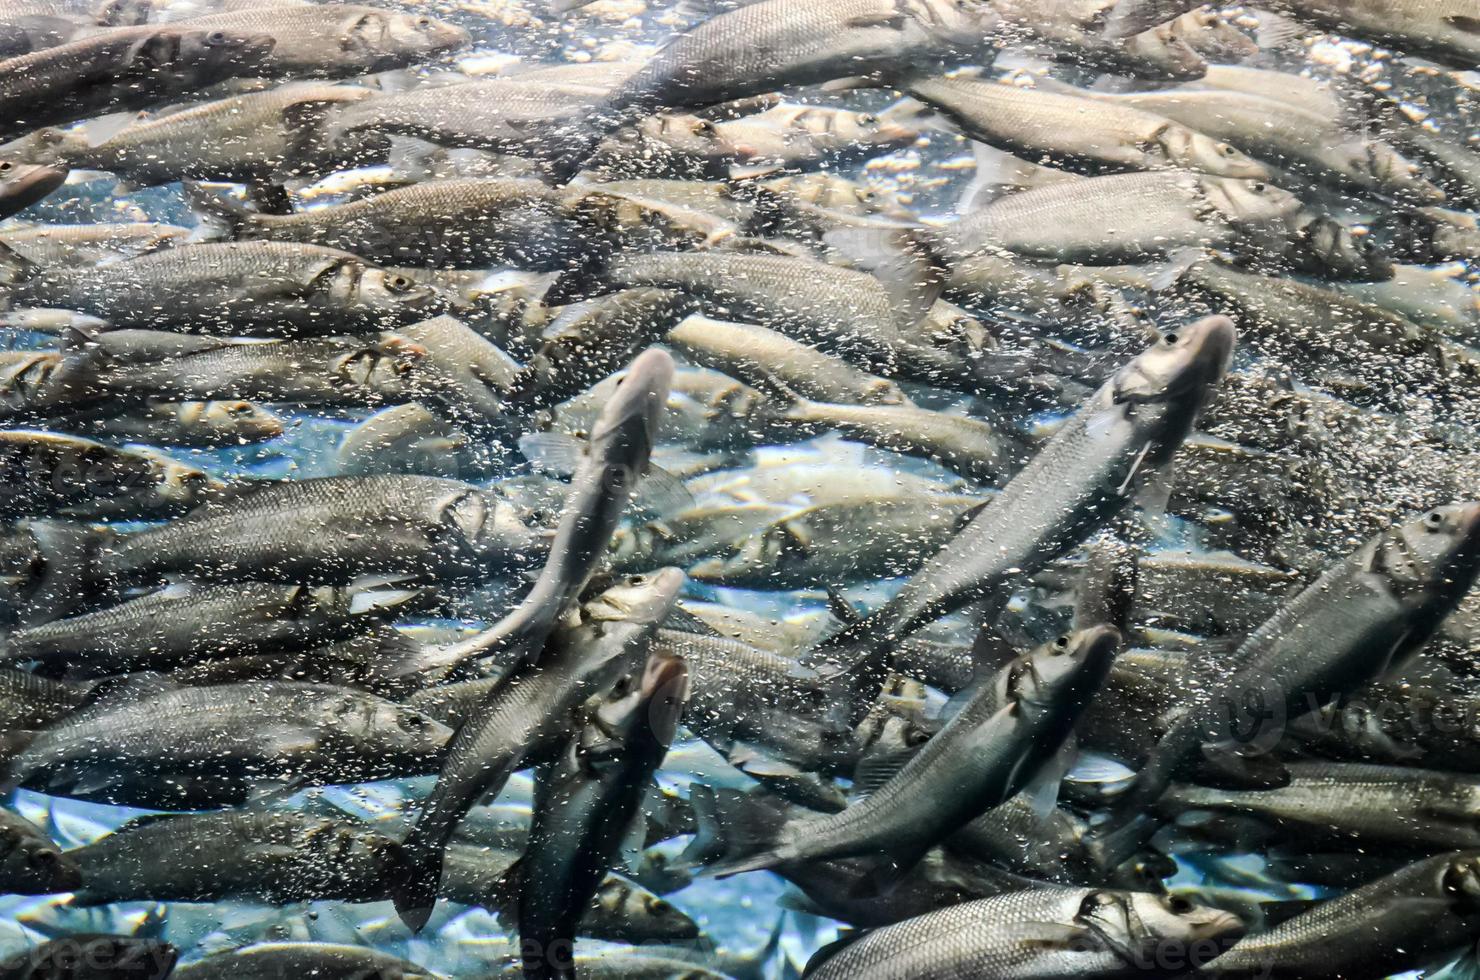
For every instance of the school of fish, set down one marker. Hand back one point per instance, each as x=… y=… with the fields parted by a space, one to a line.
x=627 y=489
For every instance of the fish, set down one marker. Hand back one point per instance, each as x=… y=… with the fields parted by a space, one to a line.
x=1059 y=928
x=750 y=50
x=334 y=530
x=1062 y=128
x=24 y=184
x=1367 y=929
x=1371 y=611
x=269 y=959
x=260 y=138
x=1128 y=429
x=1149 y=215
x=191 y=424
x=590 y=795
x=121 y=68
x=986 y=753
x=338 y=41
x=51 y=473
x=30 y=863
x=362 y=370
x=272 y=856
x=1443 y=30
x=220 y=736
x=618 y=454
x=519 y=715
x=222 y=287
x=177 y=625
x=104 y=955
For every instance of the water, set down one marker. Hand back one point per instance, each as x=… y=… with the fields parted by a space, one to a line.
x=928 y=177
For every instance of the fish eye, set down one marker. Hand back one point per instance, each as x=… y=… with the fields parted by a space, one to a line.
x=398 y=283
x=1178 y=905
x=867 y=119
x=423 y=22
x=1258 y=187
x=634 y=580
x=6 y=166
x=703 y=127
x=1062 y=643
x=239 y=410
x=658 y=906
x=915 y=737
x=864 y=195
x=415 y=723
x=41 y=859
x=1170 y=338
x=1433 y=520
x=216 y=37
x=1226 y=150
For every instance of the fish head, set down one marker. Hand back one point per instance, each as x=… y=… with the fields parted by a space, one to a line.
x=1248 y=202
x=179 y=483
x=1213 y=36
x=1157 y=924
x=381 y=40
x=1377 y=161
x=394 y=728
x=1161 y=53
x=394 y=295
x=627 y=427
x=657 y=918
x=24 y=377
x=1209 y=156
x=689 y=135
x=663 y=693
x=1184 y=361
x=1347 y=252
x=199 y=57
x=1432 y=558
x=646 y=598
x=964 y=24
x=1457 y=880
x=1071 y=667
x=34 y=865
x=122 y=13
x=385 y=366
x=47 y=145
x=232 y=418
x=419 y=35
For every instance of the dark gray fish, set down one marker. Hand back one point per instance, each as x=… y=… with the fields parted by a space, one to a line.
x=337 y=40
x=47 y=474
x=334 y=530
x=985 y=754
x=267 y=288
x=122 y=68
x=1042 y=931
x=528 y=715
x=202 y=747
x=1415 y=916
x=1087 y=473
x=183 y=624
x=774 y=43
x=1365 y=615
x=586 y=800
x=270 y=856
x=273 y=961
x=618 y=455
x=350 y=371
x=30 y=863
x=257 y=138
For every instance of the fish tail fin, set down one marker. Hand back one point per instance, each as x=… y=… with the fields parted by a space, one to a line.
x=415 y=871
x=853 y=663
x=736 y=832
x=15 y=269
x=221 y=218
x=1113 y=846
